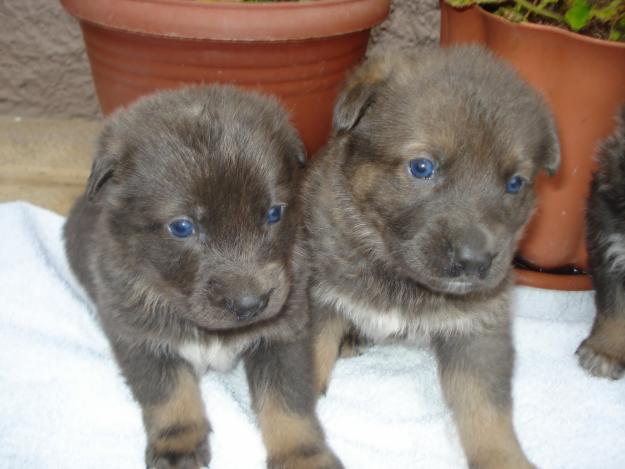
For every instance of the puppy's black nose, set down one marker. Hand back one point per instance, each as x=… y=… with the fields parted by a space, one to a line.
x=471 y=261
x=248 y=306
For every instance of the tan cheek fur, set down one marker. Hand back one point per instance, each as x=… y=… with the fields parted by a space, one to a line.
x=363 y=180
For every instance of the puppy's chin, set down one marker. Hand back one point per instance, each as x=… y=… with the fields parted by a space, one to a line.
x=457 y=286
x=233 y=324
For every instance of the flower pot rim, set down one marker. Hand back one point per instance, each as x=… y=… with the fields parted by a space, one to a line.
x=529 y=278
x=548 y=29
x=189 y=19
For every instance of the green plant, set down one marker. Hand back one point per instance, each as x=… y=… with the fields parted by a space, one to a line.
x=602 y=18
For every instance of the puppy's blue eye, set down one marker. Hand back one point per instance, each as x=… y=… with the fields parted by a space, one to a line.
x=422 y=168
x=514 y=184
x=181 y=228
x=274 y=215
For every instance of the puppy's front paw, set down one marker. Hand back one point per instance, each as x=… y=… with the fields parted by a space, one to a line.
x=354 y=345
x=598 y=361
x=522 y=465
x=306 y=458
x=164 y=455
x=502 y=461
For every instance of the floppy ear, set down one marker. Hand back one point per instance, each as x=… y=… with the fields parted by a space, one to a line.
x=299 y=152
x=359 y=92
x=351 y=105
x=293 y=147
x=107 y=154
x=551 y=148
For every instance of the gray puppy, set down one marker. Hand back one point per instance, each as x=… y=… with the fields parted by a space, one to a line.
x=184 y=241
x=603 y=352
x=412 y=216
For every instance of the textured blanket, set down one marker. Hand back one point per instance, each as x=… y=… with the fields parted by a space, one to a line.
x=63 y=403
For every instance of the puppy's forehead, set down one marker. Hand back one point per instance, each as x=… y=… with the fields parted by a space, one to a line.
x=210 y=178
x=214 y=173
x=207 y=145
x=431 y=116
x=201 y=126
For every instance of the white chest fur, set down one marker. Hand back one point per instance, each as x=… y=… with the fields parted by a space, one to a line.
x=213 y=354
x=394 y=322
x=376 y=324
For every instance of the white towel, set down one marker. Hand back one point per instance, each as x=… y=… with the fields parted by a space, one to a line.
x=64 y=405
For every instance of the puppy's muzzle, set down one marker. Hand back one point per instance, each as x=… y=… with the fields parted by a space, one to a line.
x=243 y=296
x=247 y=306
x=470 y=261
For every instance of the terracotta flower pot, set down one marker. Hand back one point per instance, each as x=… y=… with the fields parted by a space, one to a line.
x=299 y=51
x=583 y=80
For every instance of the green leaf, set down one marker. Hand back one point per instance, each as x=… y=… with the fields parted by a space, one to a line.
x=608 y=12
x=578 y=15
x=617 y=31
x=510 y=14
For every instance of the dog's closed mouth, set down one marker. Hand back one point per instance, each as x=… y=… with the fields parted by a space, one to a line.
x=460 y=285
x=263 y=312
x=453 y=286
x=239 y=325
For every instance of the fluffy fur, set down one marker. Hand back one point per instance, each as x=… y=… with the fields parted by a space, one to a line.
x=404 y=258
x=603 y=352
x=174 y=307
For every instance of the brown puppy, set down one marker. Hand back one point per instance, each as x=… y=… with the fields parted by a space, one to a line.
x=184 y=241
x=412 y=217
x=603 y=352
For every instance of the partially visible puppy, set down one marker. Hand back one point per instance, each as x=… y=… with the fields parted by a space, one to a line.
x=603 y=352
x=184 y=241
x=412 y=216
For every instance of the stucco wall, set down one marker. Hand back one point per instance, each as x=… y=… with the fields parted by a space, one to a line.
x=43 y=66
x=410 y=23
x=44 y=69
